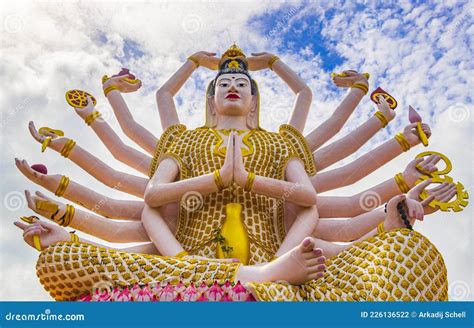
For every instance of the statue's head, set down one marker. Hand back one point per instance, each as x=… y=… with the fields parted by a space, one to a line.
x=233 y=92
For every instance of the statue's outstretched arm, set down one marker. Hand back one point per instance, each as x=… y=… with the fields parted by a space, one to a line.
x=123 y=153
x=166 y=93
x=369 y=162
x=113 y=89
x=109 y=230
x=63 y=187
x=347 y=145
x=334 y=124
x=303 y=93
x=351 y=206
x=94 y=166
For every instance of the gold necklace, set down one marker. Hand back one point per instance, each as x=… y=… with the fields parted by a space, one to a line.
x=227 y=132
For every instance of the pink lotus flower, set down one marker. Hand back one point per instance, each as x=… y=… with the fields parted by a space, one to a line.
x=202 y=298
x=178 y=298
x=145 y=295
x=190 y=294
x=238 y=293
x=227 y=298
x=135 y=290
x=227 y=287
x=167 y=294
x=125 y=71
x=215 y=293
x=202 y=288
x=180 y=287
x=100 y=296
x=124 y=296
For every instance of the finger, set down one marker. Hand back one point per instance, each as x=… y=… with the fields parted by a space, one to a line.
x=209 y=53
x=21 y=225
x=427 y=200
x=350 y=72
x=410 y=126
x=46 y=225
x=40 y=194
x=447 y=197
x=30 y=201
x=430 y=159
x=440 y=189
x=421 y=212
x=34 y=132
x=420 y=187
x=258 y=53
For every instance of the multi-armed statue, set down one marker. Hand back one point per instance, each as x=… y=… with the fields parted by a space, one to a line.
x=230 y=201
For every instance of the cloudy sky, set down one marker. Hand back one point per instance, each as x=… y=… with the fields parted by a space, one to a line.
x=421 y=52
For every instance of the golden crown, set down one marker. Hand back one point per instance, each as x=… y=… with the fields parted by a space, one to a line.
x=233 y=52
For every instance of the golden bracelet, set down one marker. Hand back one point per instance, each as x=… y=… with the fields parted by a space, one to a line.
x=74 y=237
x=92 y=117
x=218 y=180
x=272 y=60
x=382 y=118
x=110 y=88
x=402 y=185
x=361 y=86
x=67 y=217
x=402 y=141
x=381 y=227
x=62 y=186
x=194 y=60
x=67 y=148
x=249 y=184
x=182 y=254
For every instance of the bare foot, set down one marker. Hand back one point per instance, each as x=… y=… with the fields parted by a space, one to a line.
x=301 y=264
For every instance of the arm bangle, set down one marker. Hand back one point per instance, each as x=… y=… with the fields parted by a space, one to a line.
x=402 y=141
x=62 y=186
x=249 y=184
x=194 y=60
x=92 y=117
x=381 y=228
x=272 y=60
x=218 y=180
x=382 y=118
x=74 y=237
x=110 y=88
x=360 y=86
x=402 y=185
x=67 y=148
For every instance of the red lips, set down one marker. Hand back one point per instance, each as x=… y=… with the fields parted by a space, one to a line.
x=232 y=96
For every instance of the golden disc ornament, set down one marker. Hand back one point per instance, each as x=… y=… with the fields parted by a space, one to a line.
x=78 y=98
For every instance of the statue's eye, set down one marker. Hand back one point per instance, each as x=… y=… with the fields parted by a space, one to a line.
x=223 y=84
x=242 y=84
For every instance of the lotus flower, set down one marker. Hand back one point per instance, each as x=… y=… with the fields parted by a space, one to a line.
x=145 y=295
x=125 y=71
x=215 y=293
x=238 y=293
x=190 y=294
x=167 y=294
x=124 y=296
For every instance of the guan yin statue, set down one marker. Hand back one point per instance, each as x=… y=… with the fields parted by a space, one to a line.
x=232 y=212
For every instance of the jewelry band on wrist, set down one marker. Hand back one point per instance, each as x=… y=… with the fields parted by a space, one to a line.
x=402 y=185
x=402 y=141
x=63 y=183
x=194 y=60
x=381 y=227
x=67 y=148
x=181 y=254
x=218 y=180
x=74 y=237
x=272 y=60
x=110 y=88
x=92 y=117
x=404 y=217
x=249 y=184
x=382 y=118
x=66 y=219
x=360 y=86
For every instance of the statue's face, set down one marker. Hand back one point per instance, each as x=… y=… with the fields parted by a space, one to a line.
x=233 y=96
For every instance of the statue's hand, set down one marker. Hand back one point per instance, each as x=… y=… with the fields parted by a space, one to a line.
x=227 y=169
x=122 y=85
x=50 y=182
x=45 y=206
x=349 y=80
x=411 y=206
x=259 y=61
x=84 y=112
x=384 y=107
x=48 y=233
x=240 y=174
x=443 y=193
x=56 y=142
x=411 y=134
x=207 y=59
x=427 y=164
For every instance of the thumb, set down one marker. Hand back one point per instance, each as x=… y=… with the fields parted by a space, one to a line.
x=48 y=226
x=417 y=161
x=392 y=204
x=410 y=126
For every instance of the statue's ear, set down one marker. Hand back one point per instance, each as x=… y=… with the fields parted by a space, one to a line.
x=253 y=107
x=212 y=105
